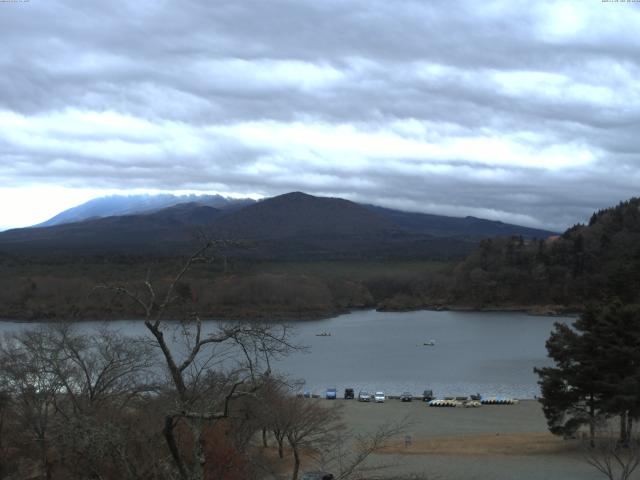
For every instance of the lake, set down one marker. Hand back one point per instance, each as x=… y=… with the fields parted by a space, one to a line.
x=491 y=353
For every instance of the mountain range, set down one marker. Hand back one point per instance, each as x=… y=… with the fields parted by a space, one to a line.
x=115 y=205
x=290 y=226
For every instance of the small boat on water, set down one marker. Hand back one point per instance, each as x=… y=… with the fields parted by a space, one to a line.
x=323 y=334
x=430 y=343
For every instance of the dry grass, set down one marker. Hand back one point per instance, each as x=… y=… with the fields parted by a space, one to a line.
x=487 y=444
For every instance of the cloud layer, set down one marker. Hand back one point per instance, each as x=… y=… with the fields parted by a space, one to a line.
x=527 y=112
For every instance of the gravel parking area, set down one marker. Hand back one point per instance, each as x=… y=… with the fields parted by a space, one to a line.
x=489 y=442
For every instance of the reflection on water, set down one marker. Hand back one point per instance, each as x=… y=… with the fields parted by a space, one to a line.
x=488 y=353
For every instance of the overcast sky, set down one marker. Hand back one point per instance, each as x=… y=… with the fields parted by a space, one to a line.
x=523 y=111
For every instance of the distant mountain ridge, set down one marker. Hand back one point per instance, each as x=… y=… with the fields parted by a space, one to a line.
x=444 y=226
x=299 y=214
x=114 y=205
x=290 y=226
x=432 y=224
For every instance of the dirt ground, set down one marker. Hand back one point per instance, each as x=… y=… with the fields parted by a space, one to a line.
x=485 y=444
x=492 y=442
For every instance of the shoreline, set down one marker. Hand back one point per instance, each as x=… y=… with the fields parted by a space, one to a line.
x=302 y=316
x=277 y=316
x=533 y=310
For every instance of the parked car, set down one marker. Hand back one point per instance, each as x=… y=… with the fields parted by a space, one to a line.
x=406 y=397
x=316 y=476
x=379 y=397
x=349 y=394
x=427 y=395
x=364 y=396
x=331 y=394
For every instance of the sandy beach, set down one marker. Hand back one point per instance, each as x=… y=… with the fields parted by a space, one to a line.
x=497 y=442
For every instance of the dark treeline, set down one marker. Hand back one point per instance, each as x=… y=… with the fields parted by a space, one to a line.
x=587 y=262
x=226 y=288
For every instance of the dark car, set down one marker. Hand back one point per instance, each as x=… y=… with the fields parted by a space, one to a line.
x=427 y=395
x=349 y=394
x=406 y=397
x=364 y=396
x=316 y=476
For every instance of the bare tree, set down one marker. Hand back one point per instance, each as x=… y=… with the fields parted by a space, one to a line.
x=309 y=426
x=348 y=452
x=106 y=377
x=32 y=389
x=207 y=370
x=70 y=389
x=614 y=459
x=4 y=412
x=272 y=413
x=96 y=369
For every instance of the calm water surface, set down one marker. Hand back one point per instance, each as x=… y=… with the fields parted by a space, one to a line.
x=489 y=353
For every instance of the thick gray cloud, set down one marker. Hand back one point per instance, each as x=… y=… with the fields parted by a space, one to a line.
x=522 y=111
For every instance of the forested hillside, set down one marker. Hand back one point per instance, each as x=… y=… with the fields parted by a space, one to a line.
x=585 y=263
x=552 y=275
